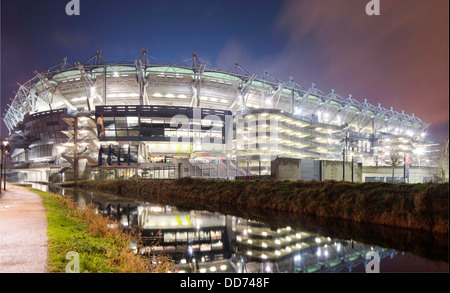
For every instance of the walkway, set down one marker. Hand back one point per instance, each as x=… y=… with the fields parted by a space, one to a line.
x=23 y=231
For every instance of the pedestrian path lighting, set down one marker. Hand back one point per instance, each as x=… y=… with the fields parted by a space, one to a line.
x=5 y=150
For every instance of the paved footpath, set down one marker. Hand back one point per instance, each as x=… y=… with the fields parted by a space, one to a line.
x=23 y=231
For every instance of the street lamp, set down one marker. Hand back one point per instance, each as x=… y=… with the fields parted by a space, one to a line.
x=5 y=150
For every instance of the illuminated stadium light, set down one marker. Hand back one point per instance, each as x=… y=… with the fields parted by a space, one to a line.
x=297 y=111
x=78 y=99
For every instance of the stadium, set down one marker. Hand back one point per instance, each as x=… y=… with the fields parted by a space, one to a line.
x=149 y=119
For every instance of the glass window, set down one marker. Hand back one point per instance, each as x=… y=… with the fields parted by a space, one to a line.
x=133 y=126
x=217 y=245
x=122 y=133
x=132 y=122
x=158 y=130
x=192 y=236
x=204 y=235
x=168 y=132
x=158 y=121
x=146 y=131
x=146 y=127
x=205 y=247
x=121 y=122
x=109 y=123
x=216 y=234
x=133 y=132
x=181 y=236
x=169 y=237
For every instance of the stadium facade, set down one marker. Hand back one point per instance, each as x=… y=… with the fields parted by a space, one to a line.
x=96 y=119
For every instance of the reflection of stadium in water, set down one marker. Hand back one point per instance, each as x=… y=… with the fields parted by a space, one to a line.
x=211 y=242
x=260 y=249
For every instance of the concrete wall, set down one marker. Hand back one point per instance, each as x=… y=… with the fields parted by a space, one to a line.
x=38 y=175
x=286 y=169
x=310 y=170
x=307 y=170
x=333 y=170
x=184 y=169
x=416 y=174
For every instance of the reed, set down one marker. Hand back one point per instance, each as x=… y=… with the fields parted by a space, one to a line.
x=415 y=206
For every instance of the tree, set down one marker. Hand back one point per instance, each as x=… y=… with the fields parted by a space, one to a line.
x=441 y=162
x=394 y=160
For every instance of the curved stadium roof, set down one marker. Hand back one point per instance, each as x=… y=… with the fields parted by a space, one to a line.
x=84 y=85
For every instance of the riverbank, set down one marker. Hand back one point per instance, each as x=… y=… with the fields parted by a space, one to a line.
x=101 y=247
x=415 y=206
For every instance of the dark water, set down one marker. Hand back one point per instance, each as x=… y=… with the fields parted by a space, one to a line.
x=228 y=239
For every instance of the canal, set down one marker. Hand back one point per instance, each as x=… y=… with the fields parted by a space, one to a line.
x=210 y=239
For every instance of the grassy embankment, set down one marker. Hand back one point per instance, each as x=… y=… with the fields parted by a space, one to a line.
x=101 y=247
x=416 y=206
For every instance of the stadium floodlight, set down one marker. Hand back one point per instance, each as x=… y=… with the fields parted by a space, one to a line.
x=297 y=111
x=79 y=99
x=419 y=151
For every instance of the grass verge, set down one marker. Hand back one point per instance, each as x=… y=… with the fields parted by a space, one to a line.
x=102 y=247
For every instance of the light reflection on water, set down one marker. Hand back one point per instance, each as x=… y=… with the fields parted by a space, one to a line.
x=206 y=242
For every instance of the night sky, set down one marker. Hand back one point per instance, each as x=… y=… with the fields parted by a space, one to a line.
x=399 y=59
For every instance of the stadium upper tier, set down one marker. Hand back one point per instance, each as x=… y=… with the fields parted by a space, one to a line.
x=95 y=82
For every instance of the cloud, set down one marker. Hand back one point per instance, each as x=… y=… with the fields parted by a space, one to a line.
x=69 y=40
x=236 y=50
x=399 y=59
